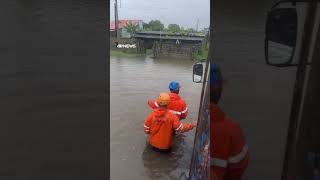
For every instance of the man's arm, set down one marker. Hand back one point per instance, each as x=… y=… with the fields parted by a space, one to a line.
x=147 y=124
x=239 y=154
x=153 y=104
x=184 y=112
x=181 y=127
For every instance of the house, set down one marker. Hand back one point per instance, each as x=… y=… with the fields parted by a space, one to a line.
x=122 y=24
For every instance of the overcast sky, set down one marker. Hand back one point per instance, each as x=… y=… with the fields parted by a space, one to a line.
x=182 y=12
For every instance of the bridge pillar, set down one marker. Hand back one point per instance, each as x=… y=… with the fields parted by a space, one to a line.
x=140 y=46
x=156 y=47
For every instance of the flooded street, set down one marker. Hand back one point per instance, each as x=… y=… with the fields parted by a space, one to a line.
x=132 y=82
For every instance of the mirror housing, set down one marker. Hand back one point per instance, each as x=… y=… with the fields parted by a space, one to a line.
x=281 y=36
x=198 y=70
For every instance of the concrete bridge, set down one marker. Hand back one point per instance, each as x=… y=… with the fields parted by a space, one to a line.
x=168 y=45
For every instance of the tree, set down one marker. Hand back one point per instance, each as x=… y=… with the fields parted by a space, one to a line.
x=156 y=25
x=190 y=30
x=145 y=26
x=174 y=27
x=131 y=28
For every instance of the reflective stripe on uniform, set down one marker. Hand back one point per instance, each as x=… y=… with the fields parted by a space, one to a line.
x=180 y=127
x=184 y=111
x=146 y=127
x=232 y=160
x=237 y=158
x=156 y=104
x=175 y=112
x=218 y=162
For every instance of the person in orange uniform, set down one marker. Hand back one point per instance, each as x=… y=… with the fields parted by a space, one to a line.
x=177 y=105
x=160 y=124
x=229 y=154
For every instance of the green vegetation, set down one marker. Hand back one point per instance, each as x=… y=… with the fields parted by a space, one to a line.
x=123 y=53
x=201 y=53
x=174 y=28
x=156 y=25
x=131 y=28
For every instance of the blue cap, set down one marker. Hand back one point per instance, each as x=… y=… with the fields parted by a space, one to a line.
x=174 y=85
x=214 y=74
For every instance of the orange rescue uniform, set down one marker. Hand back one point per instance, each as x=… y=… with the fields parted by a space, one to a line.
x=176 y=105
x=160 y=125
x=228 y=153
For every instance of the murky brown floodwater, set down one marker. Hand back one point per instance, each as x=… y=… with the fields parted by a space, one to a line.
x=133 y=81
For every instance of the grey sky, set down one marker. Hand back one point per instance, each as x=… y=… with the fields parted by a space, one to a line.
x=182 y=12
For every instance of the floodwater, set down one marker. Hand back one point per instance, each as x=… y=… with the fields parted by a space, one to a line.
x=132 y=82
x=255 y=95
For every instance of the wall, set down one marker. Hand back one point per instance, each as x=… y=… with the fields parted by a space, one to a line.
x=185 y=49
x=168 y=48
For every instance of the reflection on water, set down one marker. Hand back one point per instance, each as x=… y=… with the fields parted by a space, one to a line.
x=134 y=81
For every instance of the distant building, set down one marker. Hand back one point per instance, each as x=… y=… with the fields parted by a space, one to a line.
x=121 y=25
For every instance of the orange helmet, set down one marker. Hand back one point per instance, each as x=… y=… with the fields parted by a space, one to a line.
x=163 y=99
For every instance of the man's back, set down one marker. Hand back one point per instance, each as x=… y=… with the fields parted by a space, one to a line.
x=229 y=151
x=176 y=106
x=161 y=124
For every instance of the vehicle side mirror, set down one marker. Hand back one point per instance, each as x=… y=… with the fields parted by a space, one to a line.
x=281 y=36
x=197 y=72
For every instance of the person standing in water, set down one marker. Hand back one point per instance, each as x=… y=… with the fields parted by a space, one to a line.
x=177 y=105
x=229 y=155
x=161 y=125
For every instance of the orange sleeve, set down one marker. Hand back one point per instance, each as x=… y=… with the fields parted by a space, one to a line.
x=147 y=123
x=184 y=112
x=214 y=176
x=237 y=138
x=219 y=150
x=187 y=127
x=152 y=104
x=219 y=172
x=181 y=127
x=238 y=147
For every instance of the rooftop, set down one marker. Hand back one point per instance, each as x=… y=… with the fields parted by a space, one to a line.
x=122 y=23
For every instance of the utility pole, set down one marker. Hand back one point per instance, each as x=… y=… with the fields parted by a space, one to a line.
x=116 y=18
x=197 y=24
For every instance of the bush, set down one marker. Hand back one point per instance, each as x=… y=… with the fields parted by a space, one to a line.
x=200 y=54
